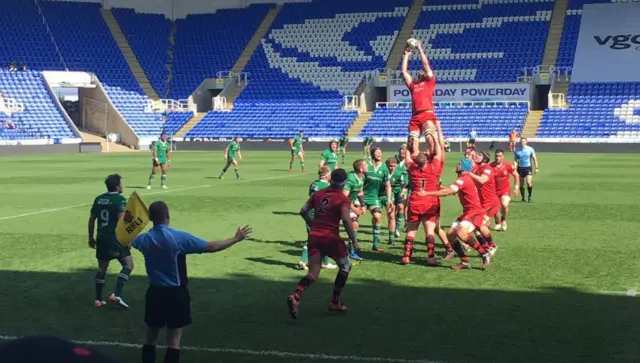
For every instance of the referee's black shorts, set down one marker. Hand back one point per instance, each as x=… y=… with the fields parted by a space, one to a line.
x=167 y=306
x=524 y=172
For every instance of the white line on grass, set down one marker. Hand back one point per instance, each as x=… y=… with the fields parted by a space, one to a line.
x=263 y=353
x=152 y=193
x=630 y=292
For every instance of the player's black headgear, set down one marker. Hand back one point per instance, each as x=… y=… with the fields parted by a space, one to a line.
x=485 y=157
x=373 y=151
x=338 y=177
x=113 y=182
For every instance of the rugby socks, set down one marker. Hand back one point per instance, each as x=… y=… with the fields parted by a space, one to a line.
x=151 y=176
x=304 y=256
x=123 y=277
x=431 y=246
x=399 y=219
x=376 y=235
x=352 y=251
x=237 y=170
x=99 y=282
x=148 y=353
x=224 y=170
x=489 y=239
x=338 y=285
x=530 y=190
x=163 y=180
x=460 y=251
x=291 y=165
x=483 y=241
x=172 y=355
x=392 y=236
x=522 y=191
x=302 y=165
x=303 y=284
x=476 y=246
x=325 y=261
x=343 y=158
x=408 y=247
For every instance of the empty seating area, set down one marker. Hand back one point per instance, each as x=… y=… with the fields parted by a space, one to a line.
x=255 y=119
x=489 y=119
x=210 y=43
x=482 y=40
x=40 y=118
x=598 y=110
x=175 y=120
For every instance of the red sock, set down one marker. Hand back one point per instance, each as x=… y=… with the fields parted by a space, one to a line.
x=304 y=283
x=338 y=285
x=483 y=242
x=490 y=240
x=459 y=250
x=431 y=246
x=408 y=247
x=476 y=245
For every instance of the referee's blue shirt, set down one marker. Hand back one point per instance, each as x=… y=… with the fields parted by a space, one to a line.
x=165 y=250
x=523 y=156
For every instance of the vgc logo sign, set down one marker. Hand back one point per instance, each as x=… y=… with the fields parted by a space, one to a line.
x=619 y=42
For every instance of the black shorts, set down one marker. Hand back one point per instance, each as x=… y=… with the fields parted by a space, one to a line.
x=524 y=172
x=472 y=141
x=167 y=306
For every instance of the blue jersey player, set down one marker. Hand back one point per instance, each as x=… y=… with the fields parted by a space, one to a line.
x=522 y=161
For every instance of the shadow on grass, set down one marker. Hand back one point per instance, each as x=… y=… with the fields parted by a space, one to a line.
x=385 y=320
x=297 y=244
x=287 y=213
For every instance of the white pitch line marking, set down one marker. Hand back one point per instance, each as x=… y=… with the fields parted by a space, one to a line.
x=152 y=193
x=263 y=353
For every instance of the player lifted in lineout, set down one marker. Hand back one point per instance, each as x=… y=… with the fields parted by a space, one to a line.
x=108 y=209
x=161 y=158
x=231 y=156
x=297 y=151
x=331 y=207
x=329 y=157
x=342 y=147
x=423 y=119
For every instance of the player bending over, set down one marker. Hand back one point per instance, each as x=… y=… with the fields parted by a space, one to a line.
x=324 y=174
x=484 y=177
x=502 y=171
x=297 y=151
x=472 y=216
x=377 y=194
x=331 y=206
x=399 y=181
x=353 y=190
x=366 y=146
x=108 y=209
x=230 y=152
x=343 y=141
x=162 y=158
x=423 y=120
x=522 y=160
x=329 y=157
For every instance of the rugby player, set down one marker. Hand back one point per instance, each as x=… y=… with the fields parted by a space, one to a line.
x=472 y=217
x=400 y=160
x=297 y=151
x=161 y=158
x=399 y=181
x=353 y=189
x=108 y=209
x=324 y=174
x=331 y=206
x=484 y=177
x=329 y=157
x=423 y=120
x=502 y=171
x=377 y=194
x=230 y=153
x=342 y=145
x=366 y=145
x=513 y=140
x=522 y=161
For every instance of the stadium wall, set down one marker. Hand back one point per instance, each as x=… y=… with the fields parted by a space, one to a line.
x=12 y=150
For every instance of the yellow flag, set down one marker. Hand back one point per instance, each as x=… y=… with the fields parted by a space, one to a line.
x=135 y=219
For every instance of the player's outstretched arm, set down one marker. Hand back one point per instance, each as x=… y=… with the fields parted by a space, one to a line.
x=406 y=76
x=425 y=60
x=442 y=192
x=217 y=246
x=348 y=226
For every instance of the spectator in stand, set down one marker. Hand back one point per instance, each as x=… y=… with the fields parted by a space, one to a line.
x=12 y=67
x=23 y=67
x=8 y=124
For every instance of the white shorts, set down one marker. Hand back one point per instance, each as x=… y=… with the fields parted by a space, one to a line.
x=464 y=224
x=505 y=199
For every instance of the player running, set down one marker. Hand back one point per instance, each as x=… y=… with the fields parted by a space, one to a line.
x=331 y=206
x=366 y=145
x=324 y=174
x=377 y=194
x=502 y=171
x=423 y=120
x=522 y=160
x=297 y=151
x=342 y=147
x=230 y=152
x=484 y=177
x=108 y=209
x=353 y=189
x=399 y=182
x=162 y=158
x=329 y=157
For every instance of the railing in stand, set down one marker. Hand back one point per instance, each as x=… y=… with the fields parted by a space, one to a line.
x=219 y=103
x=241 y=78
x=170 y=105
x=557 y=100
x=459 y=104
x=11 y=105
x=351 y=102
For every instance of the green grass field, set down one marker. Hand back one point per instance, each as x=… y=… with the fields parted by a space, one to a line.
x=555 y=292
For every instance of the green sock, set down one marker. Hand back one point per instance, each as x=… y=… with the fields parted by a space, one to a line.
x=392 y=237
x=291 y=165
x=304 y=256
x=151 y=178
x=237 y=173
x=399 y=219
x=302 y=164
x=123 y=277
x=343 y=159
x=308 y=228
x=376 y=236
x=325 y=261
x=163 y=180
x=99 y=282
x=351 y=249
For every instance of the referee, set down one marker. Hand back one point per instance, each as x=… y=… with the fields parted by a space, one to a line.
x=522 y=160
x=167 y=301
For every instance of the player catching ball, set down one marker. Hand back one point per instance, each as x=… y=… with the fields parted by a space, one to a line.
x=161 y=158
x=423 y=120
x=231 y=154
x=297 y=151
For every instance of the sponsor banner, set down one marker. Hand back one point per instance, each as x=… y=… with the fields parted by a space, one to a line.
x=27 y=142
x=222 y=139
x=467 y=92
x=69 y=141
x=608 y=47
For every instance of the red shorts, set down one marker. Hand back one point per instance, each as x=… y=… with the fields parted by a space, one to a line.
x=418 y=121
x=504 y=193
x=474 y=217
x=420 y=211
x=492 y=210
x=327 y=245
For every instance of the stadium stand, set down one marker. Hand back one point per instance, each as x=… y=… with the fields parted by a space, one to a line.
x=210 y=43
x=490 y=119
x=299 y=80
x=483 y=40
x=598 y=110
x=148 y=35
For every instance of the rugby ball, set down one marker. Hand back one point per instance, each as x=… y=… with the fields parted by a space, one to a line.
x=412 y=43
